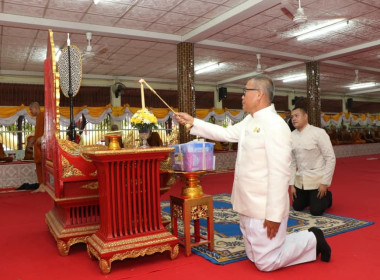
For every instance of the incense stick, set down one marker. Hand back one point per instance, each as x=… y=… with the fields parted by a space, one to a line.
x=188 y=126
x=163 y=101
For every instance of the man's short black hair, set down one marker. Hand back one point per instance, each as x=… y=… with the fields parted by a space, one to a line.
x=301 y=104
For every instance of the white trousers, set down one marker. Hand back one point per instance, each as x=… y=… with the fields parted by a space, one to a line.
x=280 y=251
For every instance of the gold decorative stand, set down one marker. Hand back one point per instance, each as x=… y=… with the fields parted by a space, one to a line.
x=192 y=205
x=192 y=188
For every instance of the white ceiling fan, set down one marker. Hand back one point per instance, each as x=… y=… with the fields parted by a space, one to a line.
x=302 y=24
x=89 y=53
x=298 y=16
x=360 y=85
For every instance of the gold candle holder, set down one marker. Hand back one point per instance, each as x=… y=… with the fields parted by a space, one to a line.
x=114 y=142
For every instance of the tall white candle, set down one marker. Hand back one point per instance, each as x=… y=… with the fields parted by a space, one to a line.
x=142 y=94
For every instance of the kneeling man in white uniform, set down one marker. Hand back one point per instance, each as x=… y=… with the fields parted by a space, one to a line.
x=313 y=164
x=262 y=174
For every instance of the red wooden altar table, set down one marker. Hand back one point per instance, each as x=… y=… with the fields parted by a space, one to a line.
x=130 y=212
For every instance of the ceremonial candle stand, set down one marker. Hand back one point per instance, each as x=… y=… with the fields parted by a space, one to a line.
x=192 y=205
x=130 y=212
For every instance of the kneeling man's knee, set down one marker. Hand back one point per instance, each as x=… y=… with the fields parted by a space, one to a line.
x=316 y=212
x=264 y=266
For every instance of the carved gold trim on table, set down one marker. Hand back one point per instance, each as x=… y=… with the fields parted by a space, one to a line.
x=92 y=252
x=96 y=147
x=76 y=198
x=91 y=186
x=141 y=252
x=104 y=248
x=177 y=211
x=69 y=147
x=63 y=248
x=68 y=170
x=60 y=232
x=65 y=238
x=174 y=252
x=105 y=266
x=75 y=149
x=199 y=212
x=126 y=151
x=94 y=174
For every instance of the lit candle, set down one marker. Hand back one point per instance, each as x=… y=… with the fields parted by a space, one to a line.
x=142 y=93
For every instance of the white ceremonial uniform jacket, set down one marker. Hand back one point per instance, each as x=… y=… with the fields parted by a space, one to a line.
x=262 y=169
x=313 y=158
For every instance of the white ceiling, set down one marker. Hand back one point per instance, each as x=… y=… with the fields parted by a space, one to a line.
x=138 y=38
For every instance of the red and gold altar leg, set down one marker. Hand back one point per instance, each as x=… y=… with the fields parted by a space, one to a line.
x=71 y=222
x=189 y=209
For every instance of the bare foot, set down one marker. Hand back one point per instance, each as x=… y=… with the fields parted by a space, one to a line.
x=41 y=188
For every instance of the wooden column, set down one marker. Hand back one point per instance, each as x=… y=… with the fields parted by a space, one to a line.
x=313 y=96
x=185 y=81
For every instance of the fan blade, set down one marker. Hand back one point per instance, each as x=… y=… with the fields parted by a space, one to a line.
x=102 y=50
x=287 y=9
x=88 y=54
x=287 y=13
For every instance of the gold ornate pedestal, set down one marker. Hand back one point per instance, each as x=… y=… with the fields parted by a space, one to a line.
x=192 y=205
x=192 y=188
x=189 y=209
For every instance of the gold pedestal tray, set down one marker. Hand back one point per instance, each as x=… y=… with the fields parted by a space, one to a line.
x=192 y=188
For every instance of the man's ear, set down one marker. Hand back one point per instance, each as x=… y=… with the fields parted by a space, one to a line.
x=262 y=95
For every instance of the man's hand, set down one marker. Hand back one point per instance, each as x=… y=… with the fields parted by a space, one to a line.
x=272 y=228
x=293 y=192
x=184 y=118
x=322 y=191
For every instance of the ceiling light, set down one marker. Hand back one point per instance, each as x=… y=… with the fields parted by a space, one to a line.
x=207 y=67
x=323 y=30
x=294 y=78
x=314 y=26
x=362 y=85
x=96 y=2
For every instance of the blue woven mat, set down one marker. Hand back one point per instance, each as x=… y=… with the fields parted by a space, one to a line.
x=229 y=244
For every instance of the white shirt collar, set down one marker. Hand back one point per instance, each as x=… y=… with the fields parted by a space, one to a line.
x=265 y=111
x=307 y=126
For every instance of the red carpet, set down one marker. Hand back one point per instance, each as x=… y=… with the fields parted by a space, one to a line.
x=28 y=251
